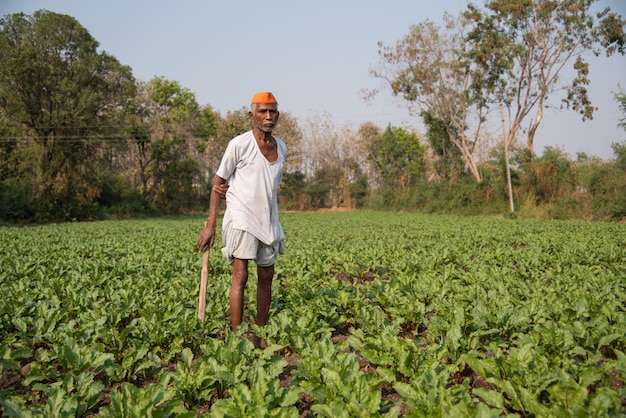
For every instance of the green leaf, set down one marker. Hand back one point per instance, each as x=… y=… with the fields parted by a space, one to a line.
x=490 y=397
x=606 y=340
x=13 y=409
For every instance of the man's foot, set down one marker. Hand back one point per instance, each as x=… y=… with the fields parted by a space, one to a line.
x=259 y=342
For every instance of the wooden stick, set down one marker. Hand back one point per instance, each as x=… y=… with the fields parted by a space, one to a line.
x=203 y=283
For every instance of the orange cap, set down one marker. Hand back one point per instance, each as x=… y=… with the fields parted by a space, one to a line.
x=264 y=97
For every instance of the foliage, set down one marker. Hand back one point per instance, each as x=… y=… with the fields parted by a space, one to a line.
x=449 y=160
x=16 y=200
x=290 y=132
x=520 y=49
x=291 y=191
x=619 y=149
x=373 y=314
x=166 y=118
x=428 y=68
x=398 y=155
x=319 y=187
x=334 y=162
x=620 y=98
x=81 y=139
x=551 y=176
x=359 y=187
x=57 y=93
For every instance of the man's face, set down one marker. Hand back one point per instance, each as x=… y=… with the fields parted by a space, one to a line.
x=265 y=116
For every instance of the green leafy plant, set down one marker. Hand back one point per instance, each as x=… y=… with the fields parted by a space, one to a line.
x=373 y=314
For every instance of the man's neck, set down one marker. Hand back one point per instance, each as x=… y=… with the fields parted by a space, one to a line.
x=262 y=136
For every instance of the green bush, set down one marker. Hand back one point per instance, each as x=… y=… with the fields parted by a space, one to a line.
x=16 y=202
x=132 y=205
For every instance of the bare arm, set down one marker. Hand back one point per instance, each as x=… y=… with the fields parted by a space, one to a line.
x=220 y=187
x=206 y=239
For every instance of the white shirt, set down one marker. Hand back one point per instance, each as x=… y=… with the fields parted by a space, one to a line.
x=252 y=197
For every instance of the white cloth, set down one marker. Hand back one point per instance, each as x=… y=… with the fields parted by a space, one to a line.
x=252 y=197
x=245 y=246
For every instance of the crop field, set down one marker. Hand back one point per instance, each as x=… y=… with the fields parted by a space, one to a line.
x=373 y=315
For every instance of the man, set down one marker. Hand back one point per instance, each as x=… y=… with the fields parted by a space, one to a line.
x=248 y=177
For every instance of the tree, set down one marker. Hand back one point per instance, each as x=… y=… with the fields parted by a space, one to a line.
x=449 y=161
x=619 y=150
x=232 y=124
x=620 y=98
x=167 y=119
x=520 y=49
x=320 y=187
x=289 y=131
x=58 y=94
x=427 y=68
x=332 y=161
x=550 y=176
x=209 y=150
x=368 y=133
x=398 y=156
x=292 y=194
x=12 y=164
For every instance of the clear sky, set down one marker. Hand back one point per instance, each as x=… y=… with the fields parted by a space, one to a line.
x=315 y=56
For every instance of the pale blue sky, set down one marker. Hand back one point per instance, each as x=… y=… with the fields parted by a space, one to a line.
x=315 y=56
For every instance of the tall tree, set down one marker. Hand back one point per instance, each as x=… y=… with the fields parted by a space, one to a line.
x=60 y=92
x=427 y=69
x=521 y=48
x=167 y=119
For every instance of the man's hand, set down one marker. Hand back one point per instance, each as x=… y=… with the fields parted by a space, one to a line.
x=220 y=189
x=206 y=239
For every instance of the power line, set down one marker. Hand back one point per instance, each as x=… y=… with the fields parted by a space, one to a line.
x=65 y=141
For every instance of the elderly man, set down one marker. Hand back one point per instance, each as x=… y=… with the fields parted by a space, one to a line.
x=248 y=177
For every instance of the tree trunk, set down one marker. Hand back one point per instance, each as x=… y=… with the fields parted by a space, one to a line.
x=507 y=142
x=467 y=156
x=530 y=143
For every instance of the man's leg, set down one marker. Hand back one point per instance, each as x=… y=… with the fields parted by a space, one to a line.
x=263 y=299
x=264 y=293
x=237 y=290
